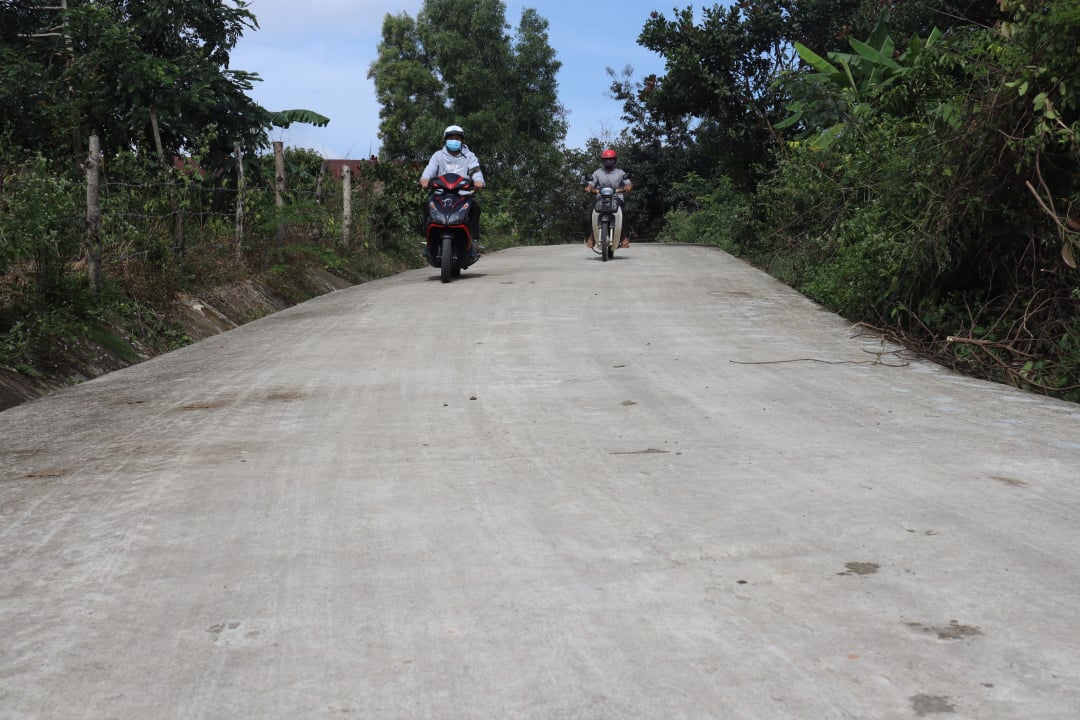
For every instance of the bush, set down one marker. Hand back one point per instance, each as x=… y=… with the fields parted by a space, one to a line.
x=709 y=212
x=861 y=268
x=41 y=223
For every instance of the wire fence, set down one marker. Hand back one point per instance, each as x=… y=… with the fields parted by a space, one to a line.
x=122 y=211
x=195 y=211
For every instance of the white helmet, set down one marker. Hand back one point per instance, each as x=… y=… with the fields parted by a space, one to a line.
x=453 y=130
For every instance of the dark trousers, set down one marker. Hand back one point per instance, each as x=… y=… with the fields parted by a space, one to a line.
x=474 y=220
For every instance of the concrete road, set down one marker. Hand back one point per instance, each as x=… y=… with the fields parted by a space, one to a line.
x=662 y=487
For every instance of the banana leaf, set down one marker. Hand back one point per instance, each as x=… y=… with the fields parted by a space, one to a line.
x=285 y=118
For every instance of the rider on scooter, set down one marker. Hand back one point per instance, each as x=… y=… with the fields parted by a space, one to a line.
x=613 y=177
x=455 y=157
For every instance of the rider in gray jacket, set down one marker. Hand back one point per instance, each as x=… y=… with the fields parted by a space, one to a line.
x=615 y=178
x=455 y=157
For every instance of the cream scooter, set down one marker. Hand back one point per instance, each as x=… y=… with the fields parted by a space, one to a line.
x=607 y=222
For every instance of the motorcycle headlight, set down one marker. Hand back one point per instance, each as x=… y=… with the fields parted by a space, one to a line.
x=436 y=214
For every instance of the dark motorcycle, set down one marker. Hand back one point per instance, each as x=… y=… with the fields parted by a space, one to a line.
x=448 y=242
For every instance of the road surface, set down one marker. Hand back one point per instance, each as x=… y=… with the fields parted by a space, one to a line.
x=664 y=487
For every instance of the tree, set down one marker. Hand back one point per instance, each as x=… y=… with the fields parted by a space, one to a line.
x=33 y=101
x=724 y=64
x=721 y=72
x=660 y=151
x=412 y=99
x=175 y=75
x=527 y=155
x=151 y=74
x=431 y=72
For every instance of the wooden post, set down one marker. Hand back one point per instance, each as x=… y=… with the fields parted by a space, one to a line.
x=239 y=244
x=346 y=204
x=279 y=186
x=279 y=174
x=93 y=215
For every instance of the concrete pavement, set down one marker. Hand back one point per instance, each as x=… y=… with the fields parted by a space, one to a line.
x=665 y=486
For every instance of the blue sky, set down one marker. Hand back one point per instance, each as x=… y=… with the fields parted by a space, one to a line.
x=315 y=55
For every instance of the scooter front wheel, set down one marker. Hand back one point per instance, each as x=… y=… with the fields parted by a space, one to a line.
x=447 y=259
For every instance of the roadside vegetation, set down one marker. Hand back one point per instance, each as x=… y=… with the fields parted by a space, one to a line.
x=914 y=167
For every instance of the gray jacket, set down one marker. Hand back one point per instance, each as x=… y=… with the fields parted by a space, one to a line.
x=464 y=163
x=614 y=179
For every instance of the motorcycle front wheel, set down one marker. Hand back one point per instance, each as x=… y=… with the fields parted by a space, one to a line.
x=447 y=259
x=605 y=232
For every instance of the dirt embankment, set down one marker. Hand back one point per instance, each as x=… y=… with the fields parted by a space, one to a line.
x=201 y=316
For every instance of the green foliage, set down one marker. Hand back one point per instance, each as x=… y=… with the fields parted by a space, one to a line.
x=285 y=118
x=40 y=223
x=859 y=80
x=727 y=73
x=721 y=73
x=933 y=195
x=116 y=67
x=712 y=212
x=108 y=339
x=919 y=19
x=67 y=328
x=411 y=97
x=391 y=204
x=303 y=168
x=881 y=217
x=862 y=265
x=85 y=330
x=658 y=151
x=1050 y=138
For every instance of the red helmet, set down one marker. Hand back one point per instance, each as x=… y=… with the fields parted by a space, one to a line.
x=607 y=159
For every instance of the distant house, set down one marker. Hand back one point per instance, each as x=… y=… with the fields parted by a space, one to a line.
x=188 y=166
x=334 y=168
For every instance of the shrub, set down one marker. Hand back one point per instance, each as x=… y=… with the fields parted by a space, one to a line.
x=709 y=212
x=40 y=222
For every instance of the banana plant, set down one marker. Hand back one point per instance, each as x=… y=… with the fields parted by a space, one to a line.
x=860 y=76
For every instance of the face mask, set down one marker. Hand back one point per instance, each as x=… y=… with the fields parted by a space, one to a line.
x=453 y=145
